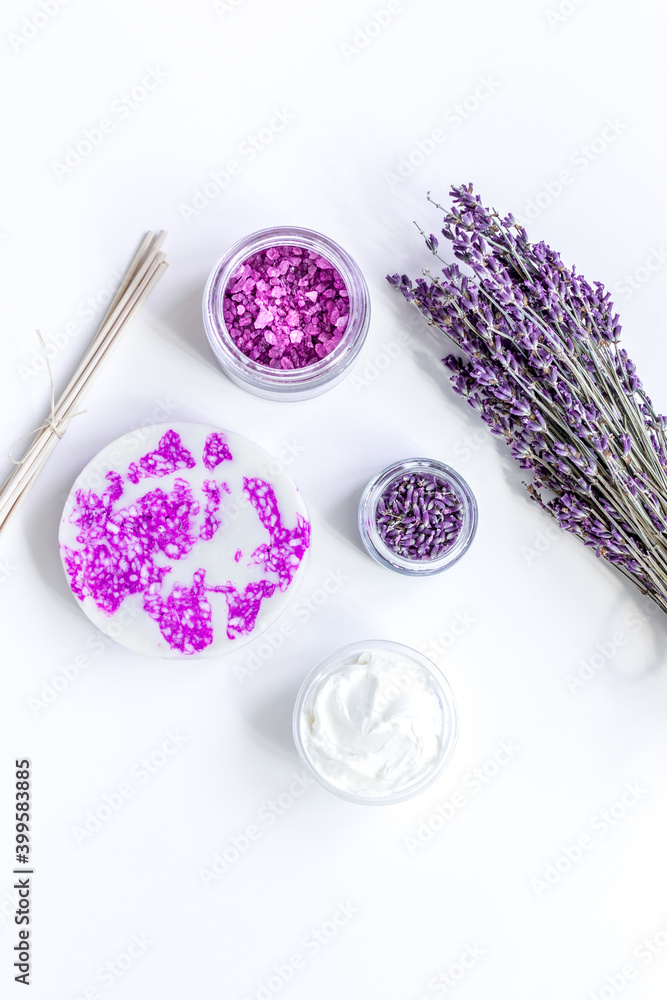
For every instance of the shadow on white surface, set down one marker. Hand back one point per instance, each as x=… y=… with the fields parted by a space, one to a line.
x=41 y=517
x=271 y=721
x=181 y=324
x=343 y=519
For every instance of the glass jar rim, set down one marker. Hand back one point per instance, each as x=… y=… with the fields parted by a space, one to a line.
x=251 y=373
x=377 y=547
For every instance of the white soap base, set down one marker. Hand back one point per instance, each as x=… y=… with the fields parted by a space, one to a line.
x=108 y=541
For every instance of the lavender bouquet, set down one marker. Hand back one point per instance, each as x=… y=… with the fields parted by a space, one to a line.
x=542 y=364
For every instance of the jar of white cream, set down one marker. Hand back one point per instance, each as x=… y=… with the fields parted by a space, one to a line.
x=375 y=723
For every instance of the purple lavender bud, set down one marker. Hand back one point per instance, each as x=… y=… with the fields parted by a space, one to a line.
x=413 y=531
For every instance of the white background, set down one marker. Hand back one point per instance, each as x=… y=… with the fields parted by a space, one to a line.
x=526 y=610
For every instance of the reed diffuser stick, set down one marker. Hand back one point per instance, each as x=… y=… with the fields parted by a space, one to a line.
x=144 y=272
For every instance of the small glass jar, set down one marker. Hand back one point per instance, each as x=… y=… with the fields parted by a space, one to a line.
x=375 y=723
x=295 y=383
x=368 y=515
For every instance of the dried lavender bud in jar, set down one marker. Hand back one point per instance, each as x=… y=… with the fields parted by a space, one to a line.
x=419 y=516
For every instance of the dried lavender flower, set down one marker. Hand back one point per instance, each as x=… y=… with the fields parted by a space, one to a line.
x=542 y=364
x=419 y=516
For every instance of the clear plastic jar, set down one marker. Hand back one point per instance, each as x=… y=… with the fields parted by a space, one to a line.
x=296 y=383
x=368 y=516
x=375 y=723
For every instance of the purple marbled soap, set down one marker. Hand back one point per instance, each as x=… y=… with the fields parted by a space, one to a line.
x=177 y=540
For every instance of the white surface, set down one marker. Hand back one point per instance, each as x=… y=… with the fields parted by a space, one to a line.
x=522 y=107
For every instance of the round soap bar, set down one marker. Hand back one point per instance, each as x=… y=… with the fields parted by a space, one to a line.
x=181 y=539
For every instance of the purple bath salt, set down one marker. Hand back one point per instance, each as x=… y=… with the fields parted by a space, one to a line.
x=169 y=456
x=419 y=516
x=170 y=558
x=216 y=450
x=286 y=307
x=211 y=523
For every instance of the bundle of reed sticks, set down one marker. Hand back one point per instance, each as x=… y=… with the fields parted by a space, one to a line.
x=146 y=269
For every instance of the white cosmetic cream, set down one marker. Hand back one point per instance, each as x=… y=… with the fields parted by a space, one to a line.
x=375 y=722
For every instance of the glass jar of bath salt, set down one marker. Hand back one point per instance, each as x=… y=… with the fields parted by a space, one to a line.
x=286 y=312
x=417 y=517
x=375 y=723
